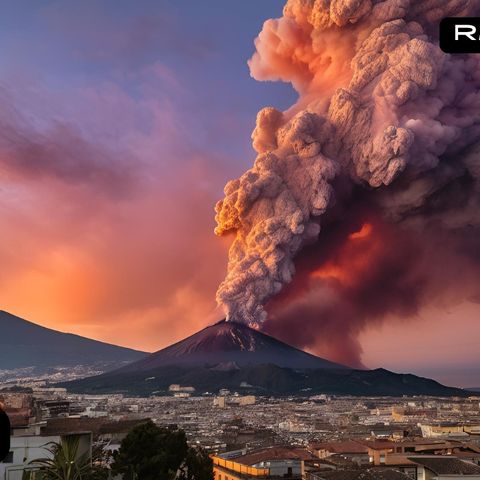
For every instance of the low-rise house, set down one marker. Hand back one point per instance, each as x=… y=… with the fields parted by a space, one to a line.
x=274 y=462
x=434 y=467
x=348 y=449
x=446 y=430
x=370 y=474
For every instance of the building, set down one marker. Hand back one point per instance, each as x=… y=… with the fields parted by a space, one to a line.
x=346 y=449
x=175 y=388
x=219 y=402
x=274 y=462
x=387 y=453
x=447 y=430
x=25 y=448
x=246 y=400
x=370 y=474
x=293 y=426
x=431 y=467
x=241 y=401
x=53 y=408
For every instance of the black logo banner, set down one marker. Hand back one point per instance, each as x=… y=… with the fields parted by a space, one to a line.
x=460 y=35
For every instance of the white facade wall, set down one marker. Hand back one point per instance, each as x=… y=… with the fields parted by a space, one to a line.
x=28 y=448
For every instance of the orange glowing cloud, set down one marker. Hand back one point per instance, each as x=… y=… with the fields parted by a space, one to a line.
x=331 y=271
x=349 y=280
x=352 y=259
x=105 y=241
x=364 y=232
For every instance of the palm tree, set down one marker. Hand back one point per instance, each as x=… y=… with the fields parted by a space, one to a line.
x=66 y=464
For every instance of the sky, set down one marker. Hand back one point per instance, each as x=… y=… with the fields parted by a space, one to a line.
x=120 y=124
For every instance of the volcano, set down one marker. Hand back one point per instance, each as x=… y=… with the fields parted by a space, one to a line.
x=234 y=356
x=231 y=344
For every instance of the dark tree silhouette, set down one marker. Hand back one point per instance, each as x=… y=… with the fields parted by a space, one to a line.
x=149 y=452
x=197 y=466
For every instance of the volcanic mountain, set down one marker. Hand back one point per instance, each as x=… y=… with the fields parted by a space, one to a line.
x=230 y=344
x=26 y=344
x=235 y=356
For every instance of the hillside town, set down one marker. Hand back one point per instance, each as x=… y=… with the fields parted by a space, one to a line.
x=312 y=438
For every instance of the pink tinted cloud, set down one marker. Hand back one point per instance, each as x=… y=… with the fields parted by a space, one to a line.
x=109 y=217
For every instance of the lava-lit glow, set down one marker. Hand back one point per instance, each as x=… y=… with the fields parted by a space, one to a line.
x=351 y=260
x=331 y=271
x=364 y=232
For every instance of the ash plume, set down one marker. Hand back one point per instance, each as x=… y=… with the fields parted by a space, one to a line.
x=383 y=134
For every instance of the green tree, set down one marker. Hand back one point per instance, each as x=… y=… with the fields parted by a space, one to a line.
x=149 y=452
x=65 y=463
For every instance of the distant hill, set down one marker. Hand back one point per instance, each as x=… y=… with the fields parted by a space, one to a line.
x=25 y=344
x=235 y=356
x=266 y=379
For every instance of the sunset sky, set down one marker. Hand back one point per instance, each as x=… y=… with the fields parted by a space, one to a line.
x=120 y=124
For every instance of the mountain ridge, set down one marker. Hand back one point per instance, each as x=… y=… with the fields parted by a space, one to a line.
x=235 y=356
x=25 y=344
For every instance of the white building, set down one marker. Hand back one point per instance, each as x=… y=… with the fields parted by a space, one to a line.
x=25 y=448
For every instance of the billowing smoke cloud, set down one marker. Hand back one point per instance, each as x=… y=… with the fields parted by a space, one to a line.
x=365 y=270
x=378 y=152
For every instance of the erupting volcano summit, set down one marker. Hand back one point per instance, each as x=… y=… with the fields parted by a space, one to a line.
x=385 y=128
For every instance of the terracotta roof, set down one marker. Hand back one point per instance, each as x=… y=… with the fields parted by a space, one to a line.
x=447 y=465
x=370 y=474
x=427 y=442
x=380 y=444
x=473 y=447
x=274 y=453
x=398 y=459
x=345 y=446
x=338 y=461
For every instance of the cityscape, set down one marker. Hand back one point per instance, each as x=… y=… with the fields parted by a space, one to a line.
x=317 y=437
